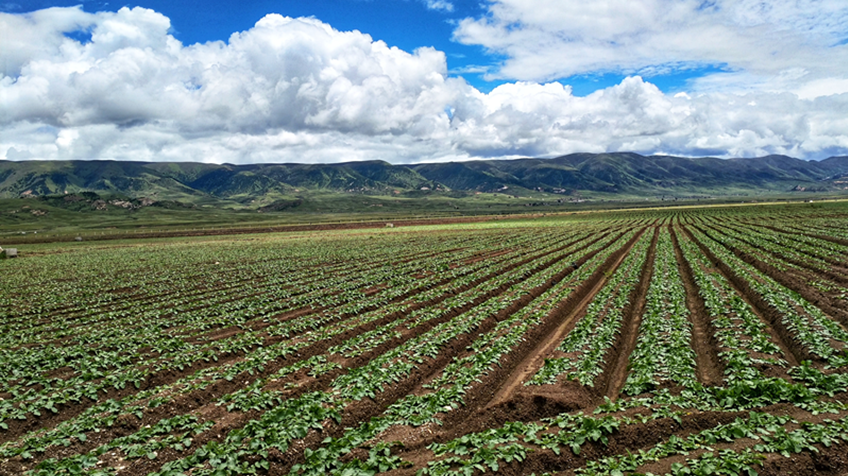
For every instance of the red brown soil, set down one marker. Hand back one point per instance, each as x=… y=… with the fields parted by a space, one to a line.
x=363 y=410
x=480 y=411
x=629 y=438
x=536 y=358
x=765 y=310
x=798 y=281
x=704 y=343
x=615 y=370
x=499 y=398
x=17 y=427
x=480 y=394
x=838 y=262
x=20 y=427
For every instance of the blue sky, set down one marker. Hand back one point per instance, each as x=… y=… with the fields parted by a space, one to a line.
x=421 y=80
x=407 y=24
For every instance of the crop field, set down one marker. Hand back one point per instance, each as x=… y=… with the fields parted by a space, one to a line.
x=685 y=342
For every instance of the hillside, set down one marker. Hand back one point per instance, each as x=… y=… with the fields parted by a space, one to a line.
x=617 y=173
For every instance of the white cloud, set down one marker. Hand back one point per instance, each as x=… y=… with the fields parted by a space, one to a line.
x=442 y=5
x=532 y=119
x=297 y=73
x=296 y=90
x=823 y=87
x=37 y=35
x=545 y=39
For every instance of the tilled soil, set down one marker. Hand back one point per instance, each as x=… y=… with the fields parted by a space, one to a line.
x=497 y=396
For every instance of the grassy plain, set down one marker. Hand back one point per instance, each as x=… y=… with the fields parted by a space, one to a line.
x=55 y=219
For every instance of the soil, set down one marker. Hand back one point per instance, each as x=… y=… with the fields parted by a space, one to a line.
x=704 y=343
x=499 y=396
x=615 y=373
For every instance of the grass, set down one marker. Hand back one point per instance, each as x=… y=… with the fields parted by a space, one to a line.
x=36 y=220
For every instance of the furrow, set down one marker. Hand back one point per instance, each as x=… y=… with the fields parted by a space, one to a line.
x=780 y=333
x=615 y=373
x=709 y=366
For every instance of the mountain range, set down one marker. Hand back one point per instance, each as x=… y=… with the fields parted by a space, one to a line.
x=611 y=173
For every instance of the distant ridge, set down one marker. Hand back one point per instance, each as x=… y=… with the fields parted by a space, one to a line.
x=616 y=173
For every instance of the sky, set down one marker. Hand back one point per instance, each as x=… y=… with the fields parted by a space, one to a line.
x=410 y=81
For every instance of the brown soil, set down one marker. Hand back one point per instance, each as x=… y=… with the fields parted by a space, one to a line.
x=796 y=282
x=709 y=365
x=550 y=340
x=499 y=396
x=20 y=427
x=363 y=410
x=782 y=335
x=480 y=410
x=615 y=371
x=223 y=387
x=499 y=386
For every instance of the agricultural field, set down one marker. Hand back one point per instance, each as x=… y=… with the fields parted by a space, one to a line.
x=680 y=341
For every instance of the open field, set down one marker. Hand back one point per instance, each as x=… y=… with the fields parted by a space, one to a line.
x=688 y=341
x=65 y=217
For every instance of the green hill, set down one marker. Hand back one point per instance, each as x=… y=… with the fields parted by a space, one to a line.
x=617 y=173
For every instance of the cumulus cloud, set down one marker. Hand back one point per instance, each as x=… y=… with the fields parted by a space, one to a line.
x=284 y=72
x=297 y=90
x=545 y=40
x=533 y=119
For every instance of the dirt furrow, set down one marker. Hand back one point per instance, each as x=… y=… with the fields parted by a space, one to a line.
x=481 y=410
x=66 y=411
x=704 y=343
x=832 y=239
x=831 y=273
x=628 y=439
x=799 y=280
x=194 y=401
x=615 y=372
x=536 y=358
x=793 y=352
x=221 y=388
x=363 y=410
x=797 y=283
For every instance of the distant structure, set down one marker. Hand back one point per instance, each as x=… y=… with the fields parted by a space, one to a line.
x=390 y=225
x=79 y=238
x=8 y=253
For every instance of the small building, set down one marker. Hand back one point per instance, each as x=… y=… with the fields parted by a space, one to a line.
x=8 y=253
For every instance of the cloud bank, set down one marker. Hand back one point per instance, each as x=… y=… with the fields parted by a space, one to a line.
x=77 y=85
x=793 y=41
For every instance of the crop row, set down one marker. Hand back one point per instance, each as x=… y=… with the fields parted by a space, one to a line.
x=179 y=354
x=663 y=352
x=587 y=345
x=814 y=331
x=746 y=345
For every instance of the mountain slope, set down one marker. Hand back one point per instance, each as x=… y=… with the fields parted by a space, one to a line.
x=611 y=173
